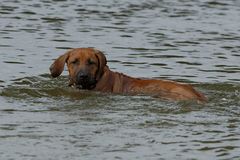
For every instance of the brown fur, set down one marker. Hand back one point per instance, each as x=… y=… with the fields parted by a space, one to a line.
x=94 y=62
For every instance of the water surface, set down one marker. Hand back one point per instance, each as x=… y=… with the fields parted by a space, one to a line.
x=189 y=41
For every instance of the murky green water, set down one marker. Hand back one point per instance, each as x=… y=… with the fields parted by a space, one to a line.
x=191 y=41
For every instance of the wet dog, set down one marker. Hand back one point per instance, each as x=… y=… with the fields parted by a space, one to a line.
x=88 y=70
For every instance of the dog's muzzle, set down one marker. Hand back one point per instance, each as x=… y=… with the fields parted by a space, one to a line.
x=85 y=81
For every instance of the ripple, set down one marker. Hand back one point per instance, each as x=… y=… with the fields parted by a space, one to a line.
x=158 y=64
x=5 y=45
x=53 y=19
x=14 y=62
x=214 y=3
x=164 y=56
x=189 y=63
x=187 y=41
x=29 y=13
x=230 y=70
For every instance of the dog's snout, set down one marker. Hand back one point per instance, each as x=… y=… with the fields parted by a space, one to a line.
x=82 y=75
x=84 y=80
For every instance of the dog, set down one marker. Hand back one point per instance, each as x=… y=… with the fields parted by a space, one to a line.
x=88 y=70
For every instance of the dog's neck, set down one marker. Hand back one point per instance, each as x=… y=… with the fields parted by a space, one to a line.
x=113 y=82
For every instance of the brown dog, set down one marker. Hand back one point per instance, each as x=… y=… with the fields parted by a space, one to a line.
x=88 y=70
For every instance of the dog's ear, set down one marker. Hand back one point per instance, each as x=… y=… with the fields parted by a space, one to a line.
x=58 y=65
x=102 y=62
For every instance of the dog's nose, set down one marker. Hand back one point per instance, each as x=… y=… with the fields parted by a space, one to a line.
x=82 y=75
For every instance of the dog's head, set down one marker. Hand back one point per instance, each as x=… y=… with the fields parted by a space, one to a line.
x=85 y=66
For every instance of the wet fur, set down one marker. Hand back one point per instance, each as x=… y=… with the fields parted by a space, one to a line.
x=114 y=82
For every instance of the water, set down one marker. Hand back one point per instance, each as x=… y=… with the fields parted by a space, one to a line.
x=190 y=41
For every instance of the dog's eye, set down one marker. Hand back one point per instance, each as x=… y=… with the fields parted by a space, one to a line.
x=76 y=61
x=90 y=61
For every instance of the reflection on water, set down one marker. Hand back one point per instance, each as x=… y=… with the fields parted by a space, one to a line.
x=190 y=41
